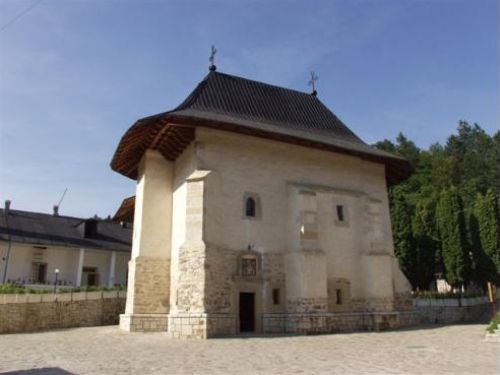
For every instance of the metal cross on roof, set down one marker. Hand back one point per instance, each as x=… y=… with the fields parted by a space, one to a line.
x=212 y=58
x=312 y=83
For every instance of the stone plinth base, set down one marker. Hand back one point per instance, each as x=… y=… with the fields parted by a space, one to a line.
x=144 y=322
x=315 y=323
x=201 y=326
x=148 y=286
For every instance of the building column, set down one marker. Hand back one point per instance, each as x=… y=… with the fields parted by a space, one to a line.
x=305 y=265
x=79 y=270
x=307 y=290
x=191 y=317
x=111 y=276
x=148 y=289
x=377 y=258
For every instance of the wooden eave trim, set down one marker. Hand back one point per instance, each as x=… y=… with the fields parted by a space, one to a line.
x=170 y=127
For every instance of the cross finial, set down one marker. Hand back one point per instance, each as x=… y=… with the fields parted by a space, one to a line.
x=213 y=51
x=312 y=83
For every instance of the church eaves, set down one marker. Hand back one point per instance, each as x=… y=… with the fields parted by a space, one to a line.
x=240 y=105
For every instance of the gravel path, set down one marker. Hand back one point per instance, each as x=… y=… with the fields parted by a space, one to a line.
x=459 y=349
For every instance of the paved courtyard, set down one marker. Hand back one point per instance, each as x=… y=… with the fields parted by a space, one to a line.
x=459 y=349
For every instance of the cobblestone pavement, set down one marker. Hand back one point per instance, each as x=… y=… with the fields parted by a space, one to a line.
x=459 y=349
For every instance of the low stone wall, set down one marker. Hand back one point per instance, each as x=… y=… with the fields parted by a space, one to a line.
x=425 y=311
x=37 y=312
x=449 y=311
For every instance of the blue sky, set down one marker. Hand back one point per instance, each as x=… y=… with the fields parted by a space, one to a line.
x=74 y=75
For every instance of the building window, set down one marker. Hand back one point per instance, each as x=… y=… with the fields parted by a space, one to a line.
x=339 y=296
x=276 y=296
x=90 y=276
x=39 y=272
x=249 y=266
x=340 y=213
x=250 y=207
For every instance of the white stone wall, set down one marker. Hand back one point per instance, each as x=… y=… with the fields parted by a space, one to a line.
x=148 y=289
x=359 y=250
x=153 y=207
x=184 y=166
x=302 y=248
x=240 y=164
x=121 y=268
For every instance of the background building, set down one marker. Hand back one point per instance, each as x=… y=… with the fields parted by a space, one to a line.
x=86 y=252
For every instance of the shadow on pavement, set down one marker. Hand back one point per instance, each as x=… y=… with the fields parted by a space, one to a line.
x=39 y=371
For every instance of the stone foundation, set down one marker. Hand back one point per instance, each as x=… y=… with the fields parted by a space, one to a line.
x=308 y=305
x=444 y=311
x=148 y=295
x=144 y=322
x=201 y=326
x=149 y=286
x=336 y=322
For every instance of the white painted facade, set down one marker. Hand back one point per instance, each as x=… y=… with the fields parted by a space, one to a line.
x=110 y=266
x=360 y=249
x=302 y=248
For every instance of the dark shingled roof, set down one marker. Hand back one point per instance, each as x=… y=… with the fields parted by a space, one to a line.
x=243 y=99
x=227 y=102
x=125 y=212
x=46 y=230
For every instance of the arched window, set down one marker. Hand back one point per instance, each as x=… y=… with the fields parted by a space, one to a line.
x=250 y=207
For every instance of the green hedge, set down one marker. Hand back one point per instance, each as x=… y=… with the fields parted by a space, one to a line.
x=436 y=295
x=20 y=289
x=494 y=324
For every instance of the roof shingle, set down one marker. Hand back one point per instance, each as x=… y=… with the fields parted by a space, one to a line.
x=45 y=229
x=260 y=102
x=237 y=104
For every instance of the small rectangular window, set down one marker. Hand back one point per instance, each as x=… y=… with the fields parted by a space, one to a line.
x=276 y=296
x=339 y=296
x=340 y=213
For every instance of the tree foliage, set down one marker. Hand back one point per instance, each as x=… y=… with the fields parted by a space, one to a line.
x=486 y=213
x=426 y=244
x=452 y=199
x=453 y=237
x=404 y=246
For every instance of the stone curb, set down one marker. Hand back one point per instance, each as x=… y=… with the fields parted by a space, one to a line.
x=492 y=337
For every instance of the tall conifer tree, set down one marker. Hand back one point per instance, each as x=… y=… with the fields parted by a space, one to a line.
x=425 y=244
x=486 y=211
x=404 y=245
x=453 y=235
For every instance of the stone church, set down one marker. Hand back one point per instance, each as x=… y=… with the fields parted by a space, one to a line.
x=258 y=210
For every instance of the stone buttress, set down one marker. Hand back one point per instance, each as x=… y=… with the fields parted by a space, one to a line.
x=192 y=315
x=148 y=291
